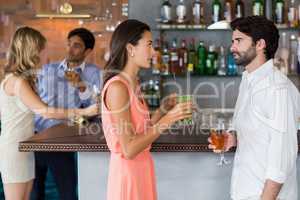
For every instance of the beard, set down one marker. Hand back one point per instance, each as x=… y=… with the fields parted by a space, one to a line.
x=74 y=59
x=245 y=57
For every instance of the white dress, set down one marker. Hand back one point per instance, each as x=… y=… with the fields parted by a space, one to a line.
x=16 y=126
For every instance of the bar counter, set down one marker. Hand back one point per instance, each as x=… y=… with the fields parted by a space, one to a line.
x=185 y=167
x=72 y=138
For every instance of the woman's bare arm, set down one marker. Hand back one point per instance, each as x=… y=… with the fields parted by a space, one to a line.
x=116 y=99
x=34 y=103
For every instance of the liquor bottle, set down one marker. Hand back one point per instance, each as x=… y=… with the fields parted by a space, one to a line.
x=298 y=55
x=211 y=61
x=157 y=57
x=166 y=12
x=156 y=94
x=228 y=10
x=239 y=9
x=198 y=13
x=258 y=7
x=216 y=11
x=279 y=12
x=183 y=57
x=231 y=66
x=165 y=67
x=192 y=58
x=149 y=93
x=293 y=54
x=174 y=61
x=298 y=14
x=293 y=15
x=222 y=62
x=283 y=53
x=200 y=67
x=181 y=12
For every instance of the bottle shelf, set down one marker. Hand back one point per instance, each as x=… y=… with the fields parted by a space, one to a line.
x=190 y=27
x=170 y=76
x=183 y=27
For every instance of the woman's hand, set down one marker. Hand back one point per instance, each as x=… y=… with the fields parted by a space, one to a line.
x=92 y=110
x=168 y=103
x=178 y=112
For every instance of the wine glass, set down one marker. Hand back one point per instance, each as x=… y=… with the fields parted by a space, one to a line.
x=71 y=74
x=96 y=96
x=217 y=135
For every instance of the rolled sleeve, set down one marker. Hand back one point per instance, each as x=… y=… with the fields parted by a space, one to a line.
x=282 y=153
x=92 y=78
x=86 y=94
x=278 y=157
x=276 y=175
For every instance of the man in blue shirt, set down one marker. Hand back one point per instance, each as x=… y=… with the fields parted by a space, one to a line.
x=69 y=84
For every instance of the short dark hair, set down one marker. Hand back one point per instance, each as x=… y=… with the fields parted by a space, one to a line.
x=259 y=27
x=86 y=36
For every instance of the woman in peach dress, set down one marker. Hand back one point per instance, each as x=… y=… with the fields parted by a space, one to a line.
x=128 y=128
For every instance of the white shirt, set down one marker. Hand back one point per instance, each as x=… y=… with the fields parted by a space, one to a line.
x=265 y=118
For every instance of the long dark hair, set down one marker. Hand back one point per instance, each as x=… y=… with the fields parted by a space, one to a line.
x=128 y=32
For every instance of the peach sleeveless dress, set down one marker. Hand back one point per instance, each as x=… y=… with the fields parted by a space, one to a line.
x=128 y=179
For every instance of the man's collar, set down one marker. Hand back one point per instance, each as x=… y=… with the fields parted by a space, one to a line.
x=63 y=65
x=259 y=73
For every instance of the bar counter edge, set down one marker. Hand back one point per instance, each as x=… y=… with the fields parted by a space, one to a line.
x=66 y=138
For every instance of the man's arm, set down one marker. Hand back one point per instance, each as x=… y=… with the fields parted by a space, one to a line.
x=282 y=151
x=95 y=80
x=271 y=190
x=277 y=166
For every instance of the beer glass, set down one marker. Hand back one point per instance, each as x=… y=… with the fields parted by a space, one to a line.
x=181 y=99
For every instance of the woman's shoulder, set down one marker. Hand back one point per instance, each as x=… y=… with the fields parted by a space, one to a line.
x=118 y=78
x=117 y=87
x=116 y=95
x=14 y=84
x=16 y=80
x=117 y=82
x=8 y=82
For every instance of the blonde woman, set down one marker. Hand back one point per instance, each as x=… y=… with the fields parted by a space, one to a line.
x=18 y=104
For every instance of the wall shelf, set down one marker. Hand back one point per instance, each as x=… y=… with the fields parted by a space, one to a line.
x=171 y=76
x=180 y=27
x=190 y=27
